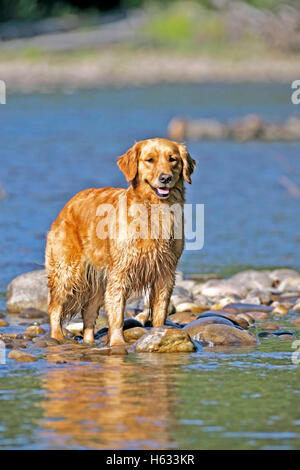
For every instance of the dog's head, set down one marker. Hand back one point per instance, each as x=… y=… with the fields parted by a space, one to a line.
x=157 y=165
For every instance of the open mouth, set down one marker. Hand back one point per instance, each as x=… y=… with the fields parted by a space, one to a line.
x=161 y=192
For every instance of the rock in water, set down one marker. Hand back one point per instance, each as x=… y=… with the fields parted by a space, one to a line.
x=133 y=334
x=28 y=290
x=194 y=329
x=224 y=335
x=21 y=356
x=162 y=339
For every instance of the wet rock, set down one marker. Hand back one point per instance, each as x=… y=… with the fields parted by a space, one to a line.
x=3 y=323
x=163 y=339
x=245 y=320
x=96 y=354
x=260 y=316
x=34 y=313
x=279 y=309
x=244 y=308
x=296 y=321
x=195 y=328
x=296 y=307
x=190 y=307
x=222 y=288
x=118 y=351
x=28 y=290
x=183 y=317
x=34 y=330
x=133 y=334
x=252 y=279
x=21 y=356
x=2 y=315
x=269 y=326
x=225 y=335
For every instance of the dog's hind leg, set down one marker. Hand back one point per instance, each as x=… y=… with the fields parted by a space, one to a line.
x=161 y=298
x=89 y=315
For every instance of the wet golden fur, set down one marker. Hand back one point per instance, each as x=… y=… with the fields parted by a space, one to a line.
x=86 y=272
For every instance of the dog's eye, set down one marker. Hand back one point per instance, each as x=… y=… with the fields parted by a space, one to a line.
x=172 y=159
x=150 y=160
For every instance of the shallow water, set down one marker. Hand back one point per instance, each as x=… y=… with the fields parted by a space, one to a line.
x=211 y=400
x=55 y=145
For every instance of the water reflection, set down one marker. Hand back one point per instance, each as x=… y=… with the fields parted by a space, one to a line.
x=119 y=405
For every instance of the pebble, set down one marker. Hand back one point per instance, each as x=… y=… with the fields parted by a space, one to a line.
x=3 y=323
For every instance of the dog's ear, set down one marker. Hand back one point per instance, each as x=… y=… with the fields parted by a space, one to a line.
x=128 y=163
x=188 y=163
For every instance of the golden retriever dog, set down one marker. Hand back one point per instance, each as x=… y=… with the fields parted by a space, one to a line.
x=88 y=267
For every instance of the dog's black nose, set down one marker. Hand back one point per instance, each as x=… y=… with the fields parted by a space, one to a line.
x=164 y=178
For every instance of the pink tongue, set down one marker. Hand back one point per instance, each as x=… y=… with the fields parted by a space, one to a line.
x=163 y=190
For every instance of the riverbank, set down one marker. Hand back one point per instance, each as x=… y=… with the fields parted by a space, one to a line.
x=33 y=72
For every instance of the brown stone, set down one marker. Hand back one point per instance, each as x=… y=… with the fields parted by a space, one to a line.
x=183 y=317
x=133 y=334
x=161 y=339
x=34 y=330
x=3 y=323
x=194 y=329
x=260 y=316
x=270 y=326
x=21 y=356
x=224 y=335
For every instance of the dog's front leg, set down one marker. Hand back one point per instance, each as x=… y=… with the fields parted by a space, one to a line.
x=115 y=300
x=161 y=297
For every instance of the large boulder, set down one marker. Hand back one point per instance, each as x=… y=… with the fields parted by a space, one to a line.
x=28 y=290
x=164 y=339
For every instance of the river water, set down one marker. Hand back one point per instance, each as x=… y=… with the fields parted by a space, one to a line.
x=54 y=145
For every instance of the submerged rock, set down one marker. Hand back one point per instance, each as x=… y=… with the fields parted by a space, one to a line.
x=28 y=290
x=164 y=339
x=21 y=356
